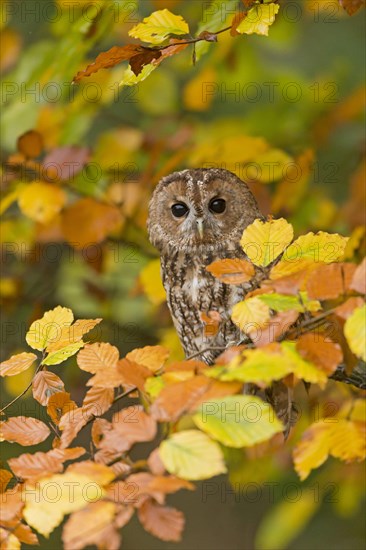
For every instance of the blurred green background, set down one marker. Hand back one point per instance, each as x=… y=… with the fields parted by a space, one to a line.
x=301 y=89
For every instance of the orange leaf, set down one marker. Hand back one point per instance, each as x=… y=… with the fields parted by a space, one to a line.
x=133 y=374
x=232 y=271
x=346 y=309
x=315 y=348
x=89 y=221
x=352 y=6
x=28 y=466
x=211 y=321
x=5 y=477
x=71 y=423
x=45 y=384
x=130 y=425
x=12 y=502
x=329 y=281
x=17 y=363
x=152 y=357
x=30 y=144
x=59 y=404
x=163 y=522
x=21 y=531
x=98 y=400
x=358 y=282
x=24 y=430
x=94 y=357
x=277 y=326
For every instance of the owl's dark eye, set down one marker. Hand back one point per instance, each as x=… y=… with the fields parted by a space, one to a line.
x=179 y=209
x=217 y=206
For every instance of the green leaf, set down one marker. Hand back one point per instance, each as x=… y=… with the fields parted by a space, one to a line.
x=281 y=302
x=238 y=420
x=191 y=454
x=154 y=385
x=62 y=354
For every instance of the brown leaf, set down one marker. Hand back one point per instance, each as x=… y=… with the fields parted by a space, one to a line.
x=291 y=284
x=163 y=522
x=30 y=144
x=155 y=463
x=229 y=354
x=93 y=525
x=169 y=484
x=17 y=363
x=5 y=477
x=98 y=400
x=232 y=271
x=110 y=58
x=45 y=384
x=346 y=309
x=30 y=466
x=328 y=281
x=352 y=6
x=71 y=423
x=67 y=454
x=24 y=430
x=59 y=404
x=64 y=163
x=138 y=61
x=317 y=349
x=89 y=221
x=98 y=356
x=124 y=515
x=100 y=426
x=22 y=532
x=276 y=327
x=358 y=282
x=193 y=365
x=133 y=374
x=152 y=357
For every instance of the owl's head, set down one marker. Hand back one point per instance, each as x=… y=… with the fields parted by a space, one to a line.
x=200 y=209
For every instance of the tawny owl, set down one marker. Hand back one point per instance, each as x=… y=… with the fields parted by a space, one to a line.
x=195 y=218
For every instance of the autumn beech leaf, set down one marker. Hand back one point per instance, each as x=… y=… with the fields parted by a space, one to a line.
x=5 y=477
x=308 y=250
x=281 y=302
x=355 y=331
x=110 y=58
x=41 y=201
x=132 y=374
x=98 y=356
x=46 y=330
x=59 y=404
x=17 y=363
x=238 y=420
x=158 y=26
x=192 y=455
x=250 y=314
x=151 y=282
x=163 y=522
x=71 y=423
x=98 y=400
x=129 y=426
x=93 y=525
x=263 y=242
x=12 y=502
x=23 y=430
x=342 y=439
x=152 y=357
x=72 y=334
x=45 y=384
x=232 y=271
x=358 y=282
x=346 y=309
x=328 y=281
x=30 y=144
x=258 y=19
x=8 y=540
x=276 y=328
x=319 y=350
x=59 y=356
x=302 y=368
x=259 y=366
x=44 y=513
x=29 y=466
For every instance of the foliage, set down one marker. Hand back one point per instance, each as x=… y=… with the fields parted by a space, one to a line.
x=122 y=421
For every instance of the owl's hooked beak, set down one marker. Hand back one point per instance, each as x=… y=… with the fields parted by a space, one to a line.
x=200 y=227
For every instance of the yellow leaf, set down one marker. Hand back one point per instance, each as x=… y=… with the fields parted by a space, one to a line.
x=301 y=368
x=313 y=449
x=152 y=357
x=46 y=330
x=238 y=420
x=130 y=79
x=72 y=334
x=310 y=249
x=282 y=302
x=40 y=201
x=263 y=242
x=158 y=26
x=17 y=363
x=258 y=19
x=151 y=282
x=191 y=454
x=53 y=497
x=59 y=356
x=250 y=314
x=270 y=166
x=355 y=332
